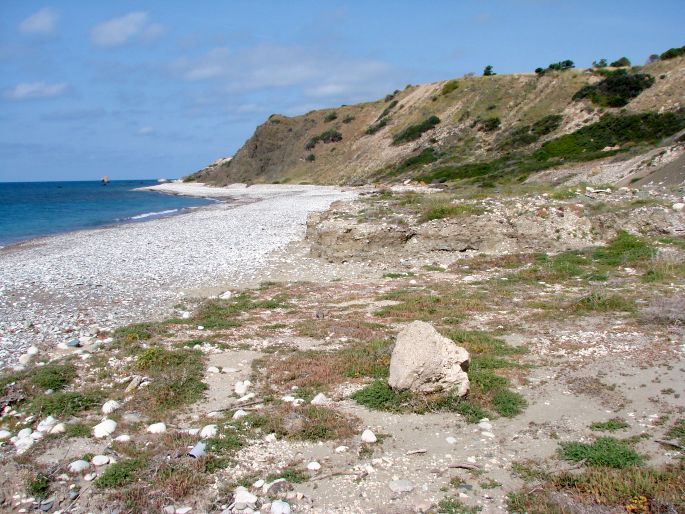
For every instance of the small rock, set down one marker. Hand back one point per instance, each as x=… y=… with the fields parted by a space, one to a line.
x=277 y=487
x=341 y=449
x=678 y=207
x=123 y=438
x=241 y=387
x=110 y=406
x=183 y=510
x=368 y=436
x=59 y=428
x=271 y=438
x=244 y=499
x=24 y=432
x=90 y=477
x=74 y=343
x=240 y=413
x=169 y=509
x=258 y=484
x=78 y=465
x=451 y=440
x=104 y=428
x=5 y=434
x=99 y=460
x=46 y=505
x=209 y=431
x=213 y=369
x=280 y=507
x=484 y=425
x=319 y=399
x=134 y=383
x=401 y=486
x=225 y=296
x=488 y=434
x=313 y=466
x=157 y=428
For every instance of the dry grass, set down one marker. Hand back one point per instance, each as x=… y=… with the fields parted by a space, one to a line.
x=666 y=310
x=351 y=328
x=309 y=423
x=442 y=304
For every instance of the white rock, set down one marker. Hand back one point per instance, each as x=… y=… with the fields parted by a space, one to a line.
x=244 y=498
x=678 y=207
x=484 y=425
x=240 y=413
x=99 y=460
x=46 y=424
x=401 y=486
x=213 y=369
x=226 y=295
x=37 y=435
x=451 y=440
x=488 y=434
x=104 y=428
x=183 y=510
x=24 y=359
x=288 y=398
x=259 y=483
x=209 y=431
x=241 y=387
x=90 y=477
x=247 y=397
x=313 y=466
x=200 y=327
x=271 y=438
x=279 y=507
x=110 y=406
x=59 y=428
x=123 y=438
x=157 y=428
x=185 y=315
x=193 y=431
x=5 y=434
x=78 y=465
x=341 y=449
x=24 y=432
x=32 y=351
x=425 y=361
x=319 y=399
x=23 y=444
x=368 y=436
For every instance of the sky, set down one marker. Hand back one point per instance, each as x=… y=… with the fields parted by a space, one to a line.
x=152 y=89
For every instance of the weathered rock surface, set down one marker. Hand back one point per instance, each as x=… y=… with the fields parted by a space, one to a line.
x=424 y=361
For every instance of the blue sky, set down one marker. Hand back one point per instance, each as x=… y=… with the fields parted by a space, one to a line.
x=145 y=89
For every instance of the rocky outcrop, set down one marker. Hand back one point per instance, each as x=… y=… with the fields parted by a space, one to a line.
x=423 y=361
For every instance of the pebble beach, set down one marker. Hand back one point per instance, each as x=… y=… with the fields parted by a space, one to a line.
x=53 y=289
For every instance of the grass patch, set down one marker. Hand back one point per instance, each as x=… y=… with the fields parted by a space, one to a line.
x=624 y=249
x=612 y=425
x=440 y=210
x=77 y=430
x=309 y=423
x=224 y=313
x=65 y=403
x=678 y=431
x=599 y=302
x=380 y=396
x=121 y=473
x=605 y=451
x=292 y=475
x=53 y=376
x=414 y=132
x=39 y=486
x=616 y=89
x=454 y=506
x=445 y=305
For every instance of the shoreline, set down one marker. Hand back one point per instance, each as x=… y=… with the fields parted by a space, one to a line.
x=54 y=287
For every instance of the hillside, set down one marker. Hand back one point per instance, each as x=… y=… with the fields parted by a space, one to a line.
x=501 y=121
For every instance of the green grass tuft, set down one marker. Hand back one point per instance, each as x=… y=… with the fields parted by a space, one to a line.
x=605 y=451
x=610 y=426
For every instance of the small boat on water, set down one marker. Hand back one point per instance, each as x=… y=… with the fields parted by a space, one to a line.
x=105 y=180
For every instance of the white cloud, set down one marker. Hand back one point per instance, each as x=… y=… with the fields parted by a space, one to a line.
x=36 y=90
x=119 y=31
x=42 y=22
x=321 y=75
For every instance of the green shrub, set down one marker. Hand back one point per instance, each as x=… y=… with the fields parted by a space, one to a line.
x=39 y=486
x=328 y=136
x=454 y=506
x=427 y=156
x=387 y=110
x=330 y=116
x=617 y=89
x=547 y=125
x=294 y=476
x=121 y=473
x=53 y=376
x=605 y=451
x=621 y=63
x=414 y=132
x=508 y=403
x=65 y=404
x=610 y=426
x=348 y=119
x=380 y=396
x=489 y=124
x=451 y=85
x=372 y=129
x=487 y=71
x=310 y=157
x=672 y=53
x=624 y=249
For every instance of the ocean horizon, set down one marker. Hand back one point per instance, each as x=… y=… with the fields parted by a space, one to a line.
x=36 y=209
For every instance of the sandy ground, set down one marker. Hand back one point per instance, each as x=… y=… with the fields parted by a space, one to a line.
x=52 y=289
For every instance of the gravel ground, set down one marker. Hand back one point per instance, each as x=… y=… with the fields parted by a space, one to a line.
x=52 y=289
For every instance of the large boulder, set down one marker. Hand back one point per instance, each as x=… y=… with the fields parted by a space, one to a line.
x=424 y=361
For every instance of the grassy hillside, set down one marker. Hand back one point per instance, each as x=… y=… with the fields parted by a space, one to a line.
x=477 y=128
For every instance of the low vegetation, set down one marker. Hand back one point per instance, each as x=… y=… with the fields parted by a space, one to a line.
x=328 y=136
x=616 y=89
x=414 y=132
x=605 y=451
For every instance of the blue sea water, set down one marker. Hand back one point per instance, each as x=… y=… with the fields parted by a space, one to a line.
x=33 y=209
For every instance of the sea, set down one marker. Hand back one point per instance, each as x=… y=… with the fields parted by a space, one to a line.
x=34 y=209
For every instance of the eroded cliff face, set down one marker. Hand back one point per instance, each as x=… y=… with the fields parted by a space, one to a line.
x=362 y=145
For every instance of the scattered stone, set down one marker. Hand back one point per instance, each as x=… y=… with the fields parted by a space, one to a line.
x=241 y=387
x=213 y=369
x=485 y=425
x=90 y=477
x=99 y=460
x=424 y=361
x=104 y=428
x=59 y=428
x=320 y=399
x=341 y=449
x=184 y=510
x=280 y=507
x=110 y=406
x=123 y=438
x=240 y=413
x=487 y=434
x=368 y=436
x=678 y=207
x=5 y=434
x=46 y=505
x=271 y=438
x=225 y=296
x=244 y=499
x=169 y=509
x=209 y=431
x=401 y=486
x=157 y=428
x=277 y=487
x=313 y=466
x=134 y=383
x=451 y=440
x=78 y=466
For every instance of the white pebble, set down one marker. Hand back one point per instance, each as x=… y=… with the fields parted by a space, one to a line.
x=157 y=428
x=99 y=460
x=78 y=465
x=271 y=438
x=451 y=440
x=123 y=438
x=59 y=428
x=209 y=431
x=104 y=428
x=368 y=436
x=280 y=507
x=110 y=406
x=313 y=466
x=240 y=413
